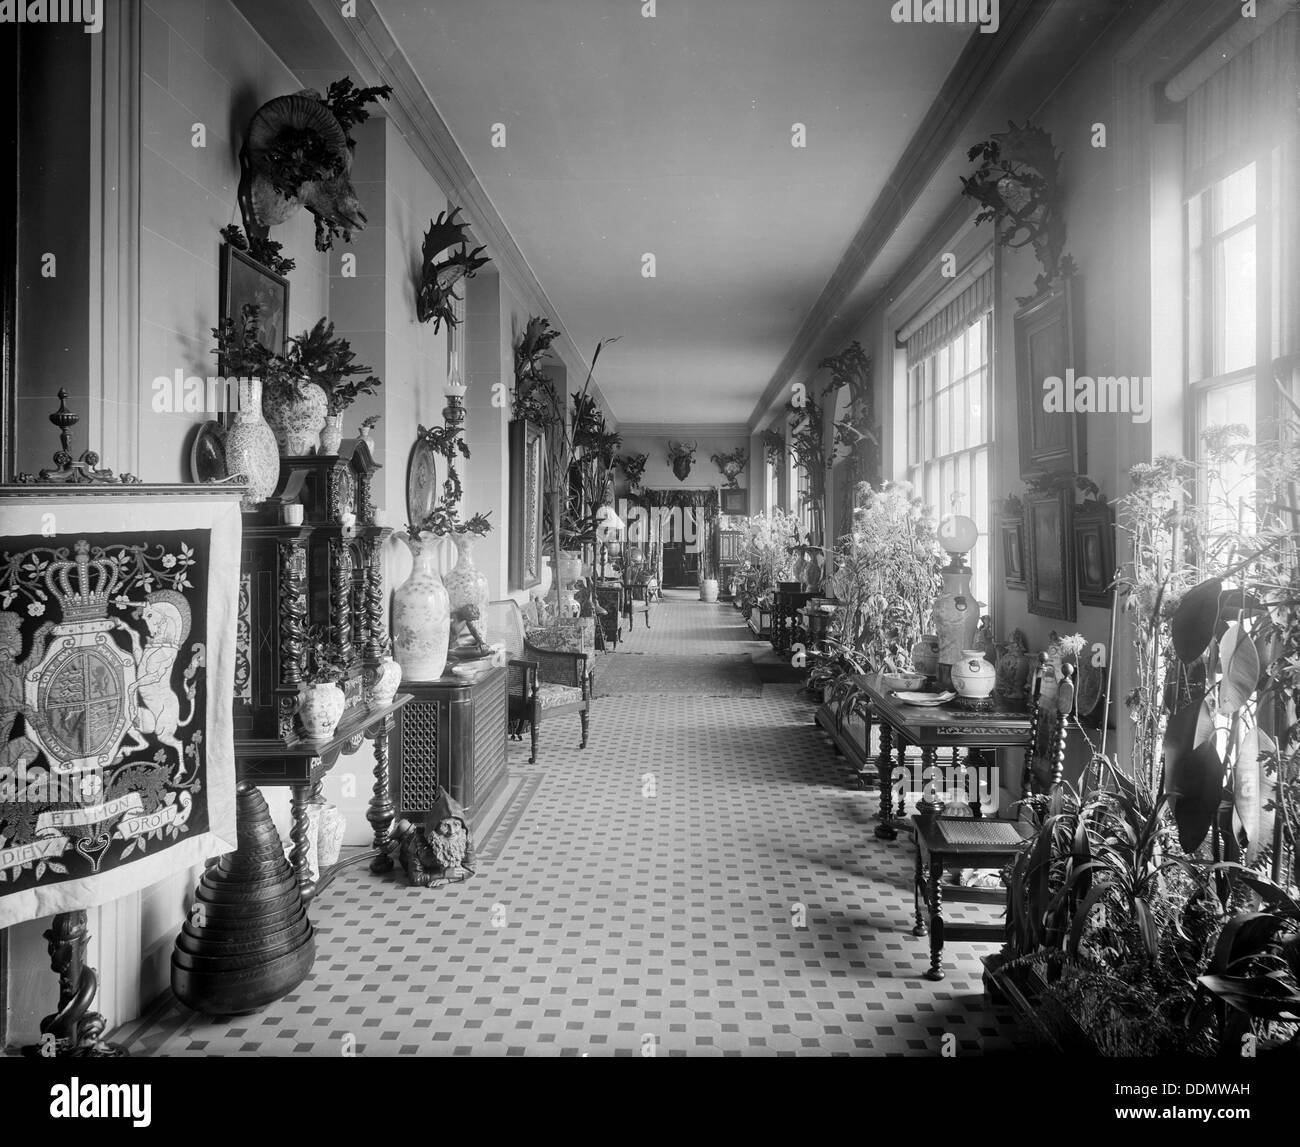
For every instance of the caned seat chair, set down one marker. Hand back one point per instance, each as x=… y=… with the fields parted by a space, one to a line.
x=541 y=684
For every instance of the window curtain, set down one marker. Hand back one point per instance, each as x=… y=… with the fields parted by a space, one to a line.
x=705 y=506
x=1243 y=106
x=951 y=318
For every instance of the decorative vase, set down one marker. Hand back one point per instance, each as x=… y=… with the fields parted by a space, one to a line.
x=321 y=709
x=925 y=654
x=330 y=827
x=1012 y=671
x=250 y=446
x=974 y=679
x=331 y=437
x=421 y=618
x=570 y=571
x=956 y=617
x=466 y=584
x=384 y=680
x=709 y=589
x=297 y=417
x=543 y=587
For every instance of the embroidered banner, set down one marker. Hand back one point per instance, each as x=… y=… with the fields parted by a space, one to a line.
x=117 y=625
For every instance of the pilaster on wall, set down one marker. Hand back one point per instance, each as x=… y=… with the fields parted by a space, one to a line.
x=487 y=340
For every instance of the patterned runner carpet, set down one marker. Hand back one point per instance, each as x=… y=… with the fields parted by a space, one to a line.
x=658 y=675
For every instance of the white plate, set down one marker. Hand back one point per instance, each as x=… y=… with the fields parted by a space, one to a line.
x=924 y=699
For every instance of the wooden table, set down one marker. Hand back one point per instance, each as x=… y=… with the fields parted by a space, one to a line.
x=929 y=729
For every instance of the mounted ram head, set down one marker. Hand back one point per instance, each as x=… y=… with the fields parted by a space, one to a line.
x=436 y=290
x=297 y=153
x=681 y=457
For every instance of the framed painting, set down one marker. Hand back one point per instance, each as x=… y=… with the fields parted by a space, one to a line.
x=735 y=501
x=1049 y=562
x=1051 y=435
x=527 y=459
x=245 y=282
x=1013 y=553
x=1094 y=553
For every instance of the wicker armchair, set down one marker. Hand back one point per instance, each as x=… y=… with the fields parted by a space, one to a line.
x=541 y=683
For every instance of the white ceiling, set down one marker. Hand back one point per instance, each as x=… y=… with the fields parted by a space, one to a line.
x=671 y=135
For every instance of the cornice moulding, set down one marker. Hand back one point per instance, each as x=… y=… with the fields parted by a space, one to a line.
x=378 y=59
x=981 y=62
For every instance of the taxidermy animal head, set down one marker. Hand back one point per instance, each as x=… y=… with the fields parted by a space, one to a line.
x=296 y=153
x=681 y=457
x=731 y=464
x=436 y=290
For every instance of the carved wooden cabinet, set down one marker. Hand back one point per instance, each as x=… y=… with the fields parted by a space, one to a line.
x=292 y=577
x=453 y=734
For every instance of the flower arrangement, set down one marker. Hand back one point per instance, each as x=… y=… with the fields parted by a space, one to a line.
x=323 y=660
x=766 y=544
x=320 y=357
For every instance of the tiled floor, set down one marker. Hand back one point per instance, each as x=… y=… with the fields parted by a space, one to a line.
x=699 y=881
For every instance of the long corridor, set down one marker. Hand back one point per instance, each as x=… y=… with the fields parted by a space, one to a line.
x=699 y=881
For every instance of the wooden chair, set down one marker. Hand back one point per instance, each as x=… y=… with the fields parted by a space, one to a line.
x=541 y=684
x=944 y=842
x=640 y=587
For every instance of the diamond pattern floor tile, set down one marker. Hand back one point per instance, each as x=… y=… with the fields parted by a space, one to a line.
x=698 y=881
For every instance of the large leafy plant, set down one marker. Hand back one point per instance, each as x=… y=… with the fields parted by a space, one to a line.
x=886 y=574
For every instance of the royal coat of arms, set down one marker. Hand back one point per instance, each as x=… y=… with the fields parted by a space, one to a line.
x=101 y=680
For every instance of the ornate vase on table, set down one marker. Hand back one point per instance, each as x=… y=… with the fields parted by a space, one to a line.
x=250 y=446
x=331 y=436
x=466 y=584
x=974 y=678
x=297 y=418
x=421 y=617
x=321 y=709
x=570 y=571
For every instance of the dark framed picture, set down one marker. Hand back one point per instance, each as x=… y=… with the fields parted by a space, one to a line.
x=1048 y=558
x=1013 y=552
x=734 y=501
x=1052 y=437
x=1094 y=552
x=244 y=281
x=527 y=455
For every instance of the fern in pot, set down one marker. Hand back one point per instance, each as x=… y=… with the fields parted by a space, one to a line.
x=324 y=670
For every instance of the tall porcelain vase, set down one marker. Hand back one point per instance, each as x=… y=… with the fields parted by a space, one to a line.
x=421 y=617
x=466 y=584
x=297 y=418
x=250 y=446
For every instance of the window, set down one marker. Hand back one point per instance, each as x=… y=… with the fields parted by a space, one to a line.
x=949 y=433
x=1223 y=314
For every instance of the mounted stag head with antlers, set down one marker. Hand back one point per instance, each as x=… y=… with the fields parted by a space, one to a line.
x=681 y=457
x=436 y=290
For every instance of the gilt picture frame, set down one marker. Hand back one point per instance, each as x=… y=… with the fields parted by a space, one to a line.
x=1051 y=441
x=734 y=501
x=527 y=472
x=1094 y=553
x=1049 y=558
x=1013 y=553
x=245 y=281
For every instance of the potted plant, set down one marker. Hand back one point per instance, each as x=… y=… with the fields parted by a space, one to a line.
x=708 y=579
x=328 y=362
x=887 y=574
x=633 y=466
x=324 y=669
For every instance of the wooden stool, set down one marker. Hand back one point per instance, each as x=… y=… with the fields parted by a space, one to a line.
x=952 y=841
